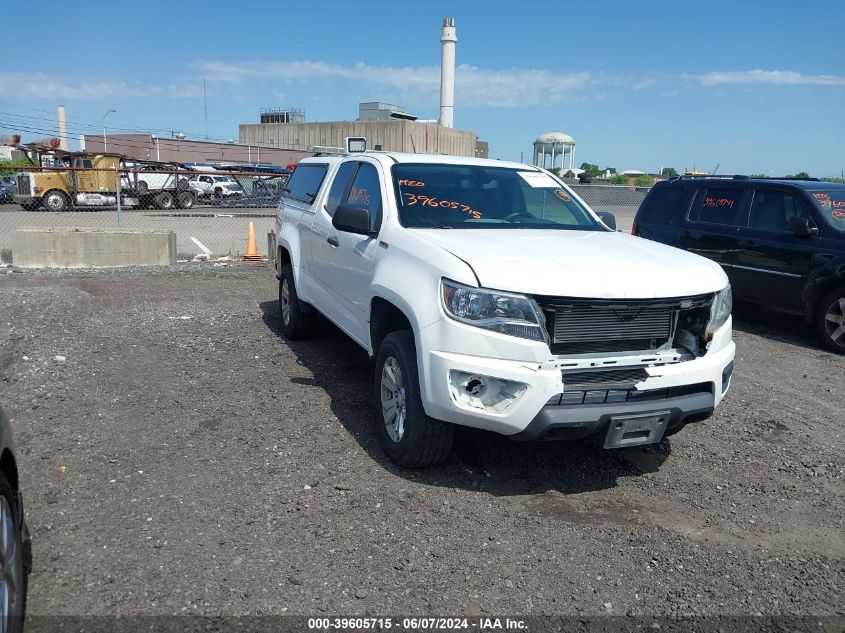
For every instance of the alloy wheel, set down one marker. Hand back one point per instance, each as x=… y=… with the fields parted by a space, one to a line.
x=834 y=321
x=393 y=404
x=284 y=300
x=9 y=580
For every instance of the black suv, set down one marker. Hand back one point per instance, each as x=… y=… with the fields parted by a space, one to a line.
x=780 y=241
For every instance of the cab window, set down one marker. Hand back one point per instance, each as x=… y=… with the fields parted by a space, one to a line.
x=772 y=210
x=366 y=192
x=339 y=186
x=306 y=181
x=717 y=205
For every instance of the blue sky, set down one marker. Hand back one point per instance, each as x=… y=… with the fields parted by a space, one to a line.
x=753 y=87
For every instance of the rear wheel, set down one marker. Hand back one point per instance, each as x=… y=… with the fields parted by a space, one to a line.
x=164 y=200
x=55 y=200
x=298 y=321
x=408 y=436
x=830 y=320
x=185 y=200
x=143 y=187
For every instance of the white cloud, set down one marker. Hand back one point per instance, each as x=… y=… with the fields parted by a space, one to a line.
x=41 y=85
x=776 y=77
x=473 y=86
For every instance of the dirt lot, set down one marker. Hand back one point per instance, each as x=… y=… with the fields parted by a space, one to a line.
x=178 y=456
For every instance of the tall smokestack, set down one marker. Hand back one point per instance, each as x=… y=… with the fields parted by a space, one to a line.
x=62 y=128
x=448 y=38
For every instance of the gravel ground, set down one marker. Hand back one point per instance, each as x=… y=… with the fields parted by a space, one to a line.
x=179 y=456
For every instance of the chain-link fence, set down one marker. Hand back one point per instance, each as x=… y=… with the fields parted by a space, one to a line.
x=208 y=211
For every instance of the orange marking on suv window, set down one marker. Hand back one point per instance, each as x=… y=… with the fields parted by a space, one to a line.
x=560 y=193
x=720 y=202
x=411 y=183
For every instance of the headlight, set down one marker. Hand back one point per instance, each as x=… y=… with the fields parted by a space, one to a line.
x=504 y=312
x=720 y=310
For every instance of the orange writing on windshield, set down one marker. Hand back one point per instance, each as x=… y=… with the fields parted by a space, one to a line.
x=823 y=199
x=411 y=183
x=428 y=201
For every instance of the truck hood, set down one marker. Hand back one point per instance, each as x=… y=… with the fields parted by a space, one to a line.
x=595 y=264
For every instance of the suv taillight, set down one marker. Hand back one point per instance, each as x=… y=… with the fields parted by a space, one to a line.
x=634 y=227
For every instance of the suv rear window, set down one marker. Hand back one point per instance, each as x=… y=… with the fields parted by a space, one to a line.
x=717 y=205
x=663 y=204
x=306 y=181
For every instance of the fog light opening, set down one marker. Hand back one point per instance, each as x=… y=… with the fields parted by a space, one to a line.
x=476 y=387
x=486 y=393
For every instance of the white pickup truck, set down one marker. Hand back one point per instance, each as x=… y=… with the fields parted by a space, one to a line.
x=490 y=295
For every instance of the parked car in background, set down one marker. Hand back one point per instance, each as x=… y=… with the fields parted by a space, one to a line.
x=216 y=185
x=780 y=241
x=12 y=580
x=8 y=182
x=6 y=196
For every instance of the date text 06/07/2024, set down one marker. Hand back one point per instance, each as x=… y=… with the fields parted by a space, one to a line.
x=416 y=624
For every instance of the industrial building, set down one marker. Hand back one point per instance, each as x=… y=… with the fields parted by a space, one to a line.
x=386 y=126
x=181 y=150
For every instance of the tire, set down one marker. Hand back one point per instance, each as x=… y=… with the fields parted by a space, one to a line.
x=408 y=436
x=164 y=200
x=298 y=322
x=185 y=200
x=143 y=187
x=12 y=579
x=55 y=200
x=830 y=320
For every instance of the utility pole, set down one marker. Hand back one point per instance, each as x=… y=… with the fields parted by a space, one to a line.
x=205 y=108
x=105 y=142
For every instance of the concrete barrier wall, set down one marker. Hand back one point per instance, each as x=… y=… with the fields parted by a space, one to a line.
x=92 y=248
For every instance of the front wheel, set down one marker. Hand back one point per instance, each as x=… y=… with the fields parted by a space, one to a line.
x=297 y=321
x=830 y=320
x=55 y=200
x=408 y=436
x=11 y=558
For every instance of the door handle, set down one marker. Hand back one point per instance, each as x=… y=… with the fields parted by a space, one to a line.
x=333 y=241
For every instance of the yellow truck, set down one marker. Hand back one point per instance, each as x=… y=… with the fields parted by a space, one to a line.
x=76 y=179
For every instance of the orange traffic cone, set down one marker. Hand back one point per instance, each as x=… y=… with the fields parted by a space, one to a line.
x=251 y=247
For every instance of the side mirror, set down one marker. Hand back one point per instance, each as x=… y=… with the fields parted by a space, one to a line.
x=608 y=218
x=802 y=227
x=351 y=219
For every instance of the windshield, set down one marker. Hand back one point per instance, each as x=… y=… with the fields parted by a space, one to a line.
x=479 y=197
x=831 y=203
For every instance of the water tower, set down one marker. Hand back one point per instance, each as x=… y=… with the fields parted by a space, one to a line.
x=551 y=145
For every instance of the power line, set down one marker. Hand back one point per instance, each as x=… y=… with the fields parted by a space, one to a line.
x=124 y=143
x=97 y=124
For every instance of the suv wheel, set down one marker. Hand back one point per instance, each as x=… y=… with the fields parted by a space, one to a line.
x=830 y=320
x=297 y=321
x=409 y=437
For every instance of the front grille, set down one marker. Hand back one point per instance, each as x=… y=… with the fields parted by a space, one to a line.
x=23 y=185
x=603 y=378
x=581 y=326
x=611 y=396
